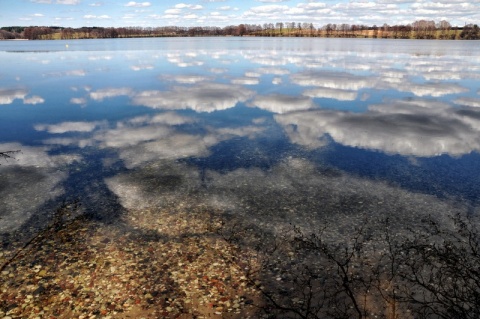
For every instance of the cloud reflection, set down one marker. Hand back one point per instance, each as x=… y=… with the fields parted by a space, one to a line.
x=333 y=80
x=204 y=97
x=337 y=94
x=415 y=127
x=280 y=103
x=68 y=127
x=78 y=100
x=148 y=138
x=141 y=67
x=468 y=101
x=431 y=89
x=246 y=80
x=271 y=198
x=186 y=79
x=28 y=182
x=102 y=94
x=138 y=146
x=8 y=96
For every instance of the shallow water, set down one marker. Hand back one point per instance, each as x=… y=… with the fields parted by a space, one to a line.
x=283 y=129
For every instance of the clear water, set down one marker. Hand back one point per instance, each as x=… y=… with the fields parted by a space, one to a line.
x=275 y=129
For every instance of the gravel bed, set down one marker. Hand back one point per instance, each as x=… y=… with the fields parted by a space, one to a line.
x=149 y=264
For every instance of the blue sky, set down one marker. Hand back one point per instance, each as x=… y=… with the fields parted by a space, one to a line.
x=77 y=13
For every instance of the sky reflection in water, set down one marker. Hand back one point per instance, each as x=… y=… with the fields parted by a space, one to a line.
x=145 y=122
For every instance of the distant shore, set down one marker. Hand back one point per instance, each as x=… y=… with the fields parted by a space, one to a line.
x=426 y=30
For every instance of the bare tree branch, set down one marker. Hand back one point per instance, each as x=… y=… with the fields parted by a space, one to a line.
x=8 y=154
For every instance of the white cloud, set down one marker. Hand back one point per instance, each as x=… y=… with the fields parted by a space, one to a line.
x=188 y=6
x=458 y=12
x=138 y=4
x=69 y=2
x=266 y=10
x=312 y=5
x=94 y=17
x=173 y=11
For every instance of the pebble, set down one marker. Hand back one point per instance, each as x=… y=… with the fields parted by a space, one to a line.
x=99 y=280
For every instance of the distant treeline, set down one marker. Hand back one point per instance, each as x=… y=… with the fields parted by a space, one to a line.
x=421 y=29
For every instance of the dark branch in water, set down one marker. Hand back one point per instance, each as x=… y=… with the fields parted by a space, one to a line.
x=8 y=154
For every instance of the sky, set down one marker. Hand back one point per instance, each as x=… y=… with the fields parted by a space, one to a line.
x=154 y=13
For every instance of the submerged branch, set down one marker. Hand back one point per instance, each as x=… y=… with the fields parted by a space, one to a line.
x=8 y=154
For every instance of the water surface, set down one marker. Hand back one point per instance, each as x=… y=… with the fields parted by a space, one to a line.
x=275 y=129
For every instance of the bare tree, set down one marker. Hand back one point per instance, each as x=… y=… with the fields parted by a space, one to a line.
x=442 y=269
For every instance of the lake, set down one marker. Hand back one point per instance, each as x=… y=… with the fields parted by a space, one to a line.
x=283 y=129
x=184 y=177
